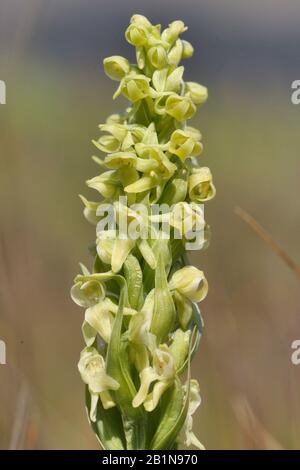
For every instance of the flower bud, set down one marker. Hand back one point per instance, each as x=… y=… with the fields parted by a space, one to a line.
x=158 y=56
x=180 y=107
x=116 y=67
x=188 y=49
x=190 y=282
x=141 y=20
x=171 y=33
x=183 y=144
x=198 y=93
x=200 y=184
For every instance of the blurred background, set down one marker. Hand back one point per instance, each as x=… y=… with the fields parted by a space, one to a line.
x=50 y=58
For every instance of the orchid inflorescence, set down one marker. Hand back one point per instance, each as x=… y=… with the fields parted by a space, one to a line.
x=142 y=324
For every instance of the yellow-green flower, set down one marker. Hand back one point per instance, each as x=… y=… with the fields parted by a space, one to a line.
x=183 y=144
x=162 y=373
x=86 y=294
x=180 y=107
x=201 y=187
x=134 y=87
x=190 y=282
x=187 y=437
x=116 y=67
x=92 y=370
x=198 y=93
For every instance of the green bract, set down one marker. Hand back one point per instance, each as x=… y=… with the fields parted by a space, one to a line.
x=142 y=324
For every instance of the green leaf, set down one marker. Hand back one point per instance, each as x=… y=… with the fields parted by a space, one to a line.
x=134 y=277
x=108 y=426
x=134 y=419
x=172 y=419
x=164 y=314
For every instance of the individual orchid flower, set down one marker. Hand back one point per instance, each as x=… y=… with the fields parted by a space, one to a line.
x=190 y=282
x=135 y=87
x=168 y=81
x=198 y=93
x=183 y=144
x=90 y=210
x=116 y=67
x=162 y=373
x=107 y=184
x=88 y=293
x=201 y=187
x=187 y=437
x=92 y=370
x=180 y=107
x=142 y=341
x=99 y=319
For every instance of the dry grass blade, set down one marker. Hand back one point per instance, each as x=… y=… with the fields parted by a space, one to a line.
x=253 y=430
x=267 y=238
x=21 y=419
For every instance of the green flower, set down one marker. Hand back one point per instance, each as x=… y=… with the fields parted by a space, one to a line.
x=107 y=184
x=180 y=107
x=86 y=294
x=171 y=33
x=92 y=370
x=187 y=437
x=136 y=34
x=134 y=87
x=183 y=144
x=201 y=187
x=198 y=93
x=162 y=373
x=190 y=282
x=116 y=67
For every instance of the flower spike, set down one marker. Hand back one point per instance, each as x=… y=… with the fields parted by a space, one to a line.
x=142 y=324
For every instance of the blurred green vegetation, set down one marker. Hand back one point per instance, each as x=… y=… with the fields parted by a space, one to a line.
x=252 y=311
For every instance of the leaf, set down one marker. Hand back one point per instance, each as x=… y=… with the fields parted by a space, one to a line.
x=172 y=419
x=134 y=419
x=164 y=314
x=108 y=426
x=134 y=277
